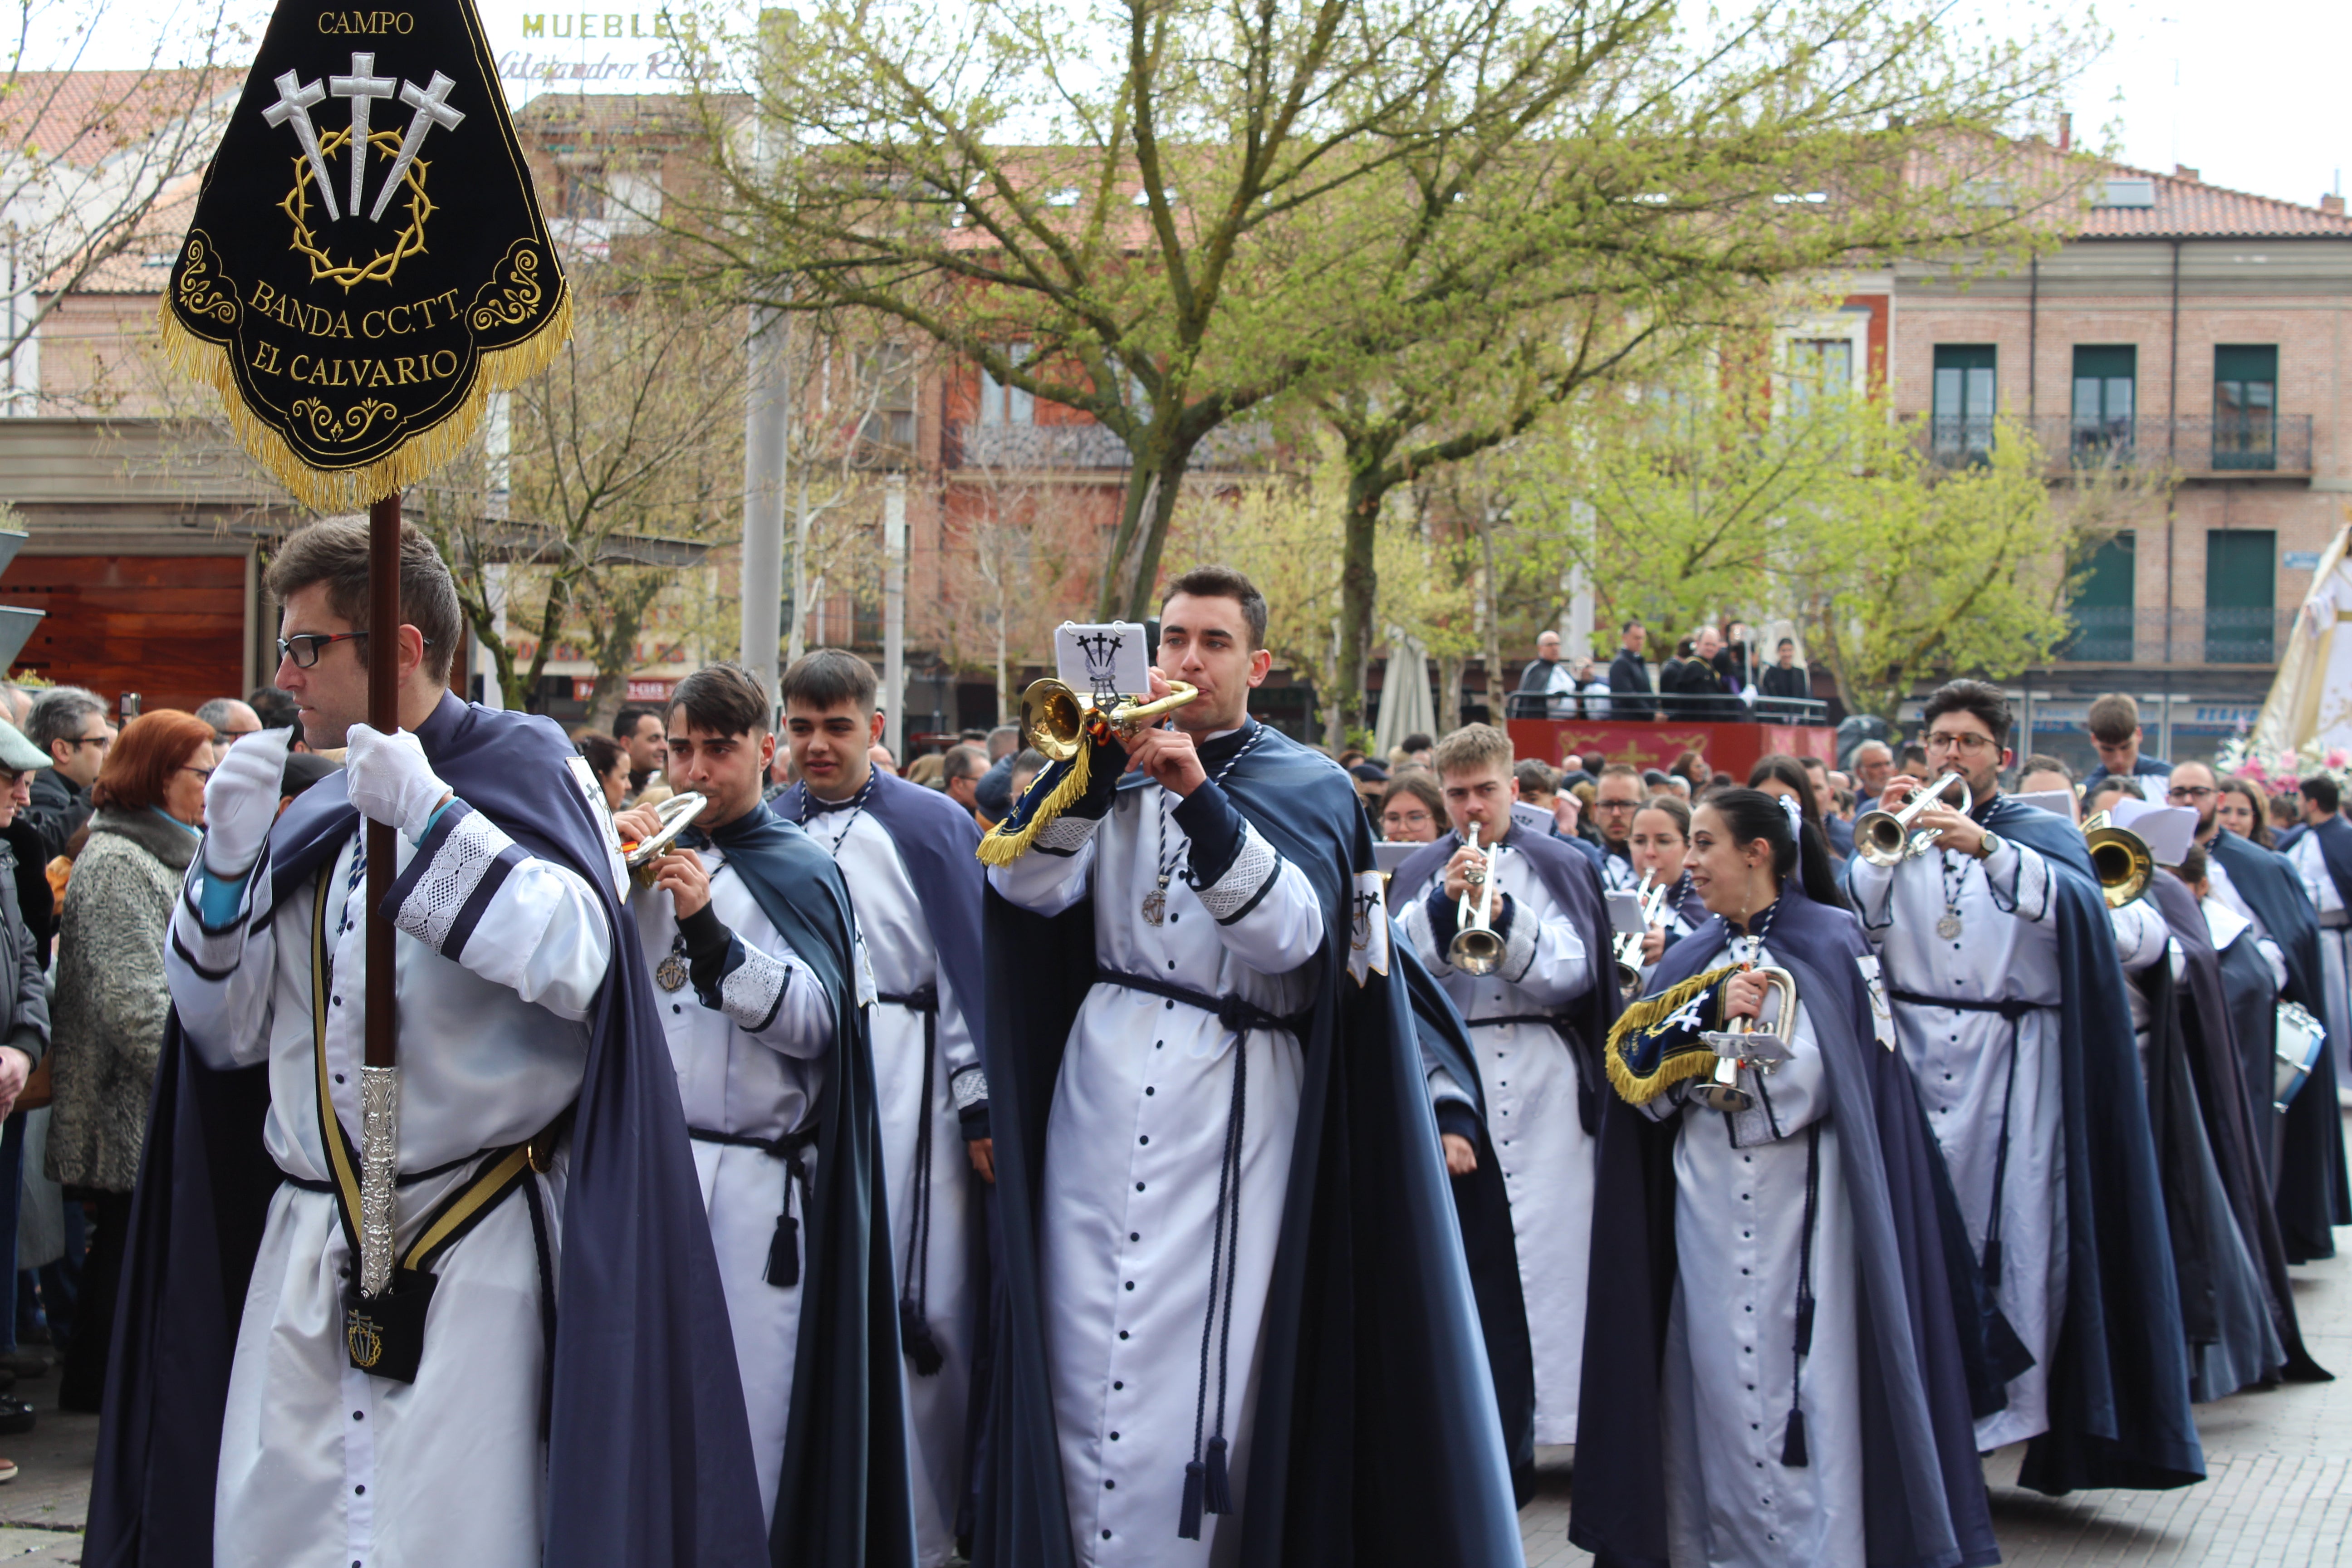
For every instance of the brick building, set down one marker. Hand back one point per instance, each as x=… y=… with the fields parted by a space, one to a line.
x=2185 y=329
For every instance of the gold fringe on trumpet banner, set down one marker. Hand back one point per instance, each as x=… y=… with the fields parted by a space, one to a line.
x=1012 y=838
x=355 y=489
x=1668 y=1067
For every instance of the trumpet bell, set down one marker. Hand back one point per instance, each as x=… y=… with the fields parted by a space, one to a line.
x=1884 y=837
x=1053 y=719
x=1477 y=950
x=2121 y=858
x=678 y=814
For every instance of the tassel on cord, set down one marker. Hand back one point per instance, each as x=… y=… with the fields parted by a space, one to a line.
x=1793 y=1446
x=1007 y=844
x=1219 y=1497
x=915 y=1336
x=355 y=489
x=785 y=1253
x=1188 y=1523
x=1638 y=1089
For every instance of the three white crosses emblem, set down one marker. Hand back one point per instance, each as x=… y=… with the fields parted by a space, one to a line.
x=362 y=87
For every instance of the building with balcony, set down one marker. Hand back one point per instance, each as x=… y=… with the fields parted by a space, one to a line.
x=2190 y=340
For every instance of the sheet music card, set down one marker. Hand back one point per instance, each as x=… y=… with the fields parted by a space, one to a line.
x=1105 y=661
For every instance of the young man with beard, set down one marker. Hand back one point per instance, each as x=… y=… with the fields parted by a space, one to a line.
x=906 y=853
x=1616 y=798
x=1236 y=1305
x=1536 y=1020
x=2008 y=1006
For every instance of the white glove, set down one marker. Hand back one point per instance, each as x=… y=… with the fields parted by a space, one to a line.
x=390 y=780
x=241 y=801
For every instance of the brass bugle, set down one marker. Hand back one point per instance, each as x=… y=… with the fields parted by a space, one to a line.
x=1476 y=949
x=2121 y=858
x=1883 y=837
x=1628 y=953
x=678 y=814
x=1722 y=1092
x=1054 y=719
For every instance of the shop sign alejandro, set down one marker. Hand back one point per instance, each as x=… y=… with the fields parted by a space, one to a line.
x=367 y=262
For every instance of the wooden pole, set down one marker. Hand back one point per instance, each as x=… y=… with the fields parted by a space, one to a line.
x=383 y=715
x=379 y=1078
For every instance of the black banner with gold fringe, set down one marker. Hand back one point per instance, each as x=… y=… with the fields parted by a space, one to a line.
x=367 y=262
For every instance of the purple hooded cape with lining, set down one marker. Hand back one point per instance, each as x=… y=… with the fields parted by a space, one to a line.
x=648 y=1456
x=1922 y=1487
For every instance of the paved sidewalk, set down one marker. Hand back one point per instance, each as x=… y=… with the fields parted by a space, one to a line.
x=2277 y=1494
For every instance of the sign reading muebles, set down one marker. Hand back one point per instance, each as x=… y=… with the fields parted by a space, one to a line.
x=367 y=262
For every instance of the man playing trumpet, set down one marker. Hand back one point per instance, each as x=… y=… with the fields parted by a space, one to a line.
x=1538 y=1017
x=2008 y=1006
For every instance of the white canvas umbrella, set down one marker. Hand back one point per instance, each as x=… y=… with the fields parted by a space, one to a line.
x=1405 y=705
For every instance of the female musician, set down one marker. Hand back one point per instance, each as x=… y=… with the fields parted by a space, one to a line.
x=1788 y=1386
x=2242 y=809
x=1660 y=838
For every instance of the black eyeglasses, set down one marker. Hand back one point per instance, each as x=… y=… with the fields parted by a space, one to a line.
x=2189 y=792
x=192 y=768
x=304 y=647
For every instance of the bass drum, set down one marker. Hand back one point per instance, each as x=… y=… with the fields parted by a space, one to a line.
x=2301 y=1038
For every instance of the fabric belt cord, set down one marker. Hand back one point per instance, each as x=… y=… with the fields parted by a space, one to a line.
x=914 y=1335
x=501 y=1170
x=784 y=1247
x=1793 y=1452
x=2013 y=1011
x=2334 y=919
x=1208 y=1485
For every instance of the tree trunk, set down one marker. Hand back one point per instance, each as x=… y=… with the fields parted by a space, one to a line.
x=1360 y=580
x=1450 y=668
x=1490 y=617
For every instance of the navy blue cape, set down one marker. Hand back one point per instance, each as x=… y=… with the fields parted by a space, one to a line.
x=2314 y=1191
x=2119 y=1411
x=1482 y=1205
x=844 y=1496
x=1375 y=1440
x=1923 y=1487
x=648 y=1453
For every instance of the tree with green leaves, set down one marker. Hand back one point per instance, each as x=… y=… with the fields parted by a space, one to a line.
x=1169 y=213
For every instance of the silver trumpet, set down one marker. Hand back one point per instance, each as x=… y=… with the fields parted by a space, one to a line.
x=1756 y=1042
x=1884 y=837
x=678 y=814
x=1476 y=949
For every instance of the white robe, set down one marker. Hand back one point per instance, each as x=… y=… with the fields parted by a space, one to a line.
x=905 y=960
x=2334 y=944
x=1546 y=1155
x=2007 y=951
x=1132 y=1151
x=753 y=1067
x=322 y=1465
x=1731 y=1370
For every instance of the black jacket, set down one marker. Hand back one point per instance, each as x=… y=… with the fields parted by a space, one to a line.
x=58 y=807
x=23 y=961
x=1629 y=679
x=1793 y=681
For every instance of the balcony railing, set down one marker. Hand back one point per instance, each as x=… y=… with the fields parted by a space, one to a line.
x=2124 y=635
x=1046 y=448
x=2197 y=445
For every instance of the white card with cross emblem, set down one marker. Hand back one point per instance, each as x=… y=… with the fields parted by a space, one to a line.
x=1104 y=660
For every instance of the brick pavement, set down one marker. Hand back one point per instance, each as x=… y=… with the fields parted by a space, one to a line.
x=2277 y=1494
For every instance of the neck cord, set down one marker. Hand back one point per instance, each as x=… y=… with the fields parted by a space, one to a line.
x=1166 y=867
x=854 y=805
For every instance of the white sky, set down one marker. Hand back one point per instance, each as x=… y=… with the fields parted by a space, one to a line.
x=2249 y=92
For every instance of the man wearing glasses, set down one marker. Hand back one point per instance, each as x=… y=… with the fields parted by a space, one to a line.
x=68 y=722
x=2008 y=1006
x=231 y=721
x=1616 y=798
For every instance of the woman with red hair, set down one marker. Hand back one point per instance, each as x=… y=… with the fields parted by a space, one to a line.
x=111 y=998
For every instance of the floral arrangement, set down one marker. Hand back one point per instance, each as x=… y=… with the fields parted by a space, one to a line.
x=2279 y=772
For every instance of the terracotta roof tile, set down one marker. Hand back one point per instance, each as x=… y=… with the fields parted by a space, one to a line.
x=86 y=116
x=2191 y=209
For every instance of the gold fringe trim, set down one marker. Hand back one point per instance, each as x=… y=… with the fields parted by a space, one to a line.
x=414 y=459
x=1631 y=1086
x=1003 y=846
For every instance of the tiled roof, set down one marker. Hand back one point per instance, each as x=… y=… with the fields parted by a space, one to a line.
x=141 y=267
x=86 y=116
x=2190 y=209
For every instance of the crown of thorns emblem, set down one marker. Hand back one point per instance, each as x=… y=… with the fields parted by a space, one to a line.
x=314 y=181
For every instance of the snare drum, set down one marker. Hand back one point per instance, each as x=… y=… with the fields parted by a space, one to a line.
x=2301 y=1038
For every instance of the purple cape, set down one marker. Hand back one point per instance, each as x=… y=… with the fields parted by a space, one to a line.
x=648 y=1454
x=1923 y=1487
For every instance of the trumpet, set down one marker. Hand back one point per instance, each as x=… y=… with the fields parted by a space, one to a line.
x=2121 y=858
x=1756 y=1042
x=1884 y=837
x=1056 y=721
x=1476 y=949
x=678 y=814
